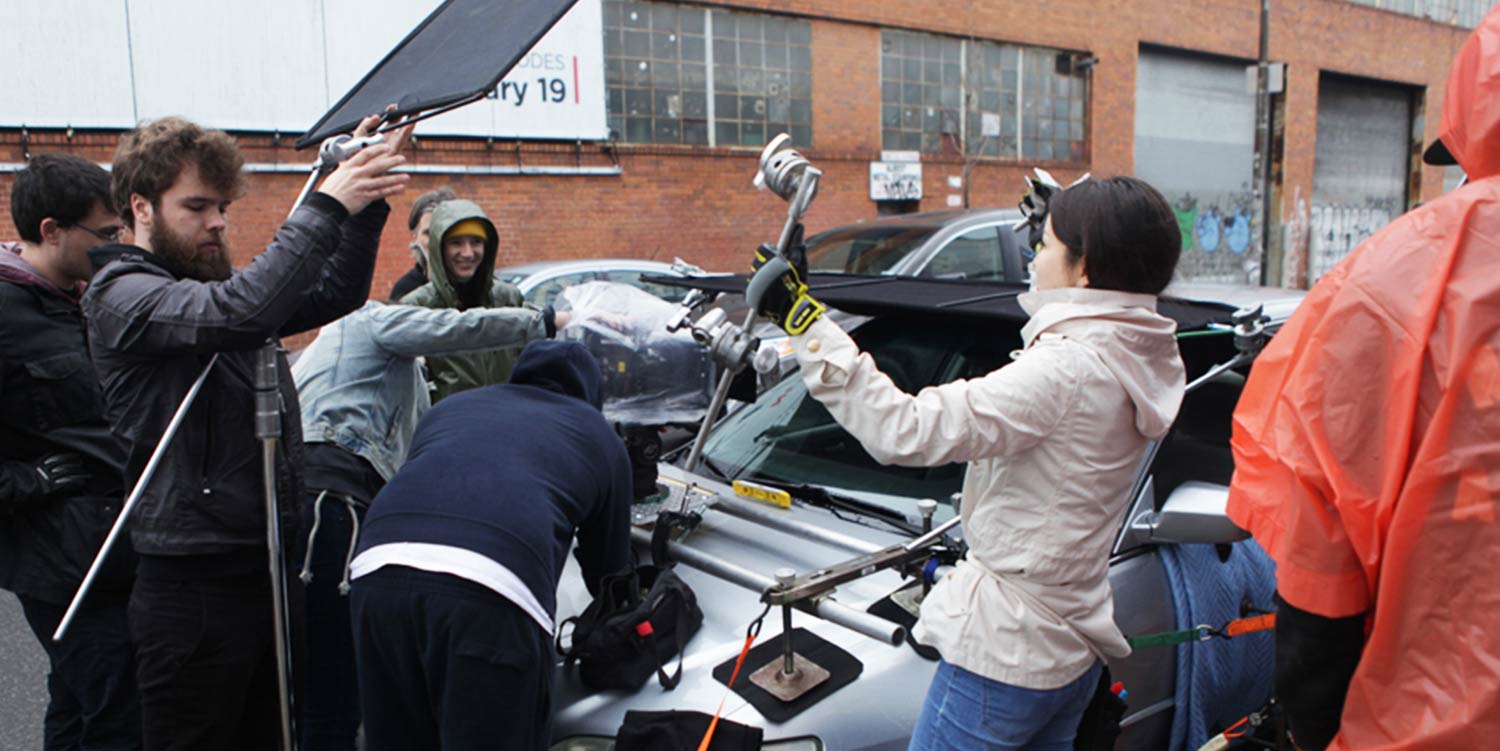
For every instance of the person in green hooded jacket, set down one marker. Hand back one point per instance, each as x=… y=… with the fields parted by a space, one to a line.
x=461 y=275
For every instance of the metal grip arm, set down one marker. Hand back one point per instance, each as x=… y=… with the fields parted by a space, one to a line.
x=134 y=498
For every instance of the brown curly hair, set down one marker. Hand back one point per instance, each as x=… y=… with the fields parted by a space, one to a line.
x=149 y=158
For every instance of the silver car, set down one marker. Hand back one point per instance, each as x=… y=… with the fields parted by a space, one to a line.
x=541 y=282
x=845 y=505
x=968 y=244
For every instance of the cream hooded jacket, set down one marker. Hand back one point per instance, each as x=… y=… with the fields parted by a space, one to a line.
x=1052 y=443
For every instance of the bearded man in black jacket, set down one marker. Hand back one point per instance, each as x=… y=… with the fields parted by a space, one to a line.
x=200 y=613
x=61 y=481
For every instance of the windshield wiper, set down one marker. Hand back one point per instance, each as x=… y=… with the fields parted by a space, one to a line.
x=706 y=463
x=820 y=496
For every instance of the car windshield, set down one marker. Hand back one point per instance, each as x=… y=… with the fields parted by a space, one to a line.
x=865 y=250
x=787 y=435
x=509 y=278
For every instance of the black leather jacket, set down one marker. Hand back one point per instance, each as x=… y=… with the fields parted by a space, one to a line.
x=151 y=333
x=50 y=402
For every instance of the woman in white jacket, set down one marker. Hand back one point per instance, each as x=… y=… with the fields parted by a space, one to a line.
x=1052 y=443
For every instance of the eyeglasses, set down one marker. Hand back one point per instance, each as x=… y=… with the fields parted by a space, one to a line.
x=107 y=234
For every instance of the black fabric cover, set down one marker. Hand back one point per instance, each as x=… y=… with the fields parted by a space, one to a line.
x=682 y=731
x=915 y=296
x=459 y=53
x=842 y=667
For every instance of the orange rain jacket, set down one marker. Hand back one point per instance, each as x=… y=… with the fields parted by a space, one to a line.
x=1367 y=447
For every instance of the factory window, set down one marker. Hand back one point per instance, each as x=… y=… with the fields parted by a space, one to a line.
x=942 y=95
x=679 y=74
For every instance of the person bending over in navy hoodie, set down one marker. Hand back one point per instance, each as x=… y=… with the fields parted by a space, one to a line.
x=455 y=579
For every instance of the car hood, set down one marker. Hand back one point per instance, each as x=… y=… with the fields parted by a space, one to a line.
x=728 y=610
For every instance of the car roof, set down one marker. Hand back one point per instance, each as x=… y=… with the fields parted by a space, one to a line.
x=869 y=295
x=585 y=264
x=927 y=219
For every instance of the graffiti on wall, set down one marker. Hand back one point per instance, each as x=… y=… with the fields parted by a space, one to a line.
x=1335 y=229
x=1294 y=231
x=1216 y=237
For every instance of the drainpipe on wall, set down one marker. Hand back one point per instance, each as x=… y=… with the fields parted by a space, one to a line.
x=1263 y=114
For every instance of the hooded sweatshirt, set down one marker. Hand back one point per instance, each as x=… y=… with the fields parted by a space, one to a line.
x=1366 y=455
x=1052 y=442
x=451 y=374
x=471 y=503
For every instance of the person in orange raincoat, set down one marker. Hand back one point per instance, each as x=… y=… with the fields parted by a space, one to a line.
x=1367 y=448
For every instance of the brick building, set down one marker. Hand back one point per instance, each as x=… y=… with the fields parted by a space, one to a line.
x=1145 y=87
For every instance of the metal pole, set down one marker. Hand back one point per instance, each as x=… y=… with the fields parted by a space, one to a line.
x=807 y=188
x=134 y=498
x=721 y=395
x=775 y=520
x=1263 y=139
x=826 y=608
x=268 y=430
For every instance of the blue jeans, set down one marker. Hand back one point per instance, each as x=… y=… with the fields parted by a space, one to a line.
x=968 y=712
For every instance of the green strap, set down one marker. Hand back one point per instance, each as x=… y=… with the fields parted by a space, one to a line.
x=1168 y=638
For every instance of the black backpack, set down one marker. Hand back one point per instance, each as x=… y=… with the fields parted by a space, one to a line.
x=641 y=618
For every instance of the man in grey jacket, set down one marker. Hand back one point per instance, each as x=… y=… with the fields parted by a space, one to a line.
x=157 y=312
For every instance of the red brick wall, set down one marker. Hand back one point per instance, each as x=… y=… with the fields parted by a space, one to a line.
x=698 y=204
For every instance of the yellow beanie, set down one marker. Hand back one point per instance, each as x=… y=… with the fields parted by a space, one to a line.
x=468 y=228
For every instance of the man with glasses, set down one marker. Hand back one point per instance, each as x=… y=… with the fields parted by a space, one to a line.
x=61 y=472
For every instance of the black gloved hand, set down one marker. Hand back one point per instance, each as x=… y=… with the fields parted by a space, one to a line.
x=778 y=292
x=61 y=473
x=1039 y=191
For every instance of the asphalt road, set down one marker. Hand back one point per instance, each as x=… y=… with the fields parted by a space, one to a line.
x=23 y=680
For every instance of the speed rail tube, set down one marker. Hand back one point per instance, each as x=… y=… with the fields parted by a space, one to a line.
x=828 y=609
x=747 y=511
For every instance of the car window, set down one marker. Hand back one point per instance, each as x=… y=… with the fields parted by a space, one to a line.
x=789 y=436
x=633 y=278
x=973 y=255
x=543 y=294
x=865 y=250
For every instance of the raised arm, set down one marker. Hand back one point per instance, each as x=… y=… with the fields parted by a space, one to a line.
x=361 y=186
x=155 y=313
x=412 y=331
x=1009 y=410
x=344 y=283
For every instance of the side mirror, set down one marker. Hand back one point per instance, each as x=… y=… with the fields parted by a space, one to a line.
x=1194 y=513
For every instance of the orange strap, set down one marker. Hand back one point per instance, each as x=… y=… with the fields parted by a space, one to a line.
x=714 y=724
x=1250 y=625
x=750 y=634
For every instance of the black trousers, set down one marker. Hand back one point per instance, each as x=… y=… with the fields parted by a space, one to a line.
x=206 y=663
x=91 y=701
x=448 y=664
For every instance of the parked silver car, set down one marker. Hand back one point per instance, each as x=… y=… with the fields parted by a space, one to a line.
x=968 y=244
x=540 y=282
x=925 y=332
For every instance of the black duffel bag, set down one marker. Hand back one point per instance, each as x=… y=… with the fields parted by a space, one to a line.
x=641 y=618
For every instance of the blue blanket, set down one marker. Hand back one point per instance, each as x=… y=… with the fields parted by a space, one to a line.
x=1221 y=680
